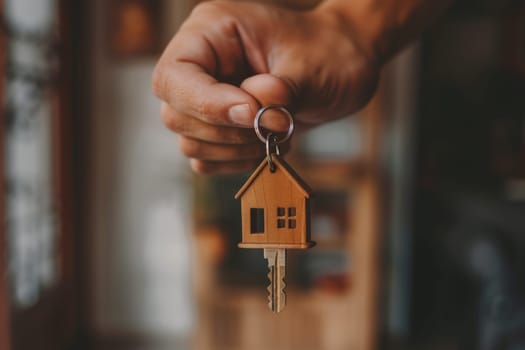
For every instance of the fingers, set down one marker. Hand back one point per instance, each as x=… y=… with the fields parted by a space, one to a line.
x=271 y=90
x=214 y=168
x=208 y=158
x=216 y=149
x=199 y=130
x=186 y=77
x=208 y=99
x=197 y=149
x=202 y=150
x=189 y=90
x=199 y=70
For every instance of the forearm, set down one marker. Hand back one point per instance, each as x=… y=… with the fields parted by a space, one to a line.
x=385 y=26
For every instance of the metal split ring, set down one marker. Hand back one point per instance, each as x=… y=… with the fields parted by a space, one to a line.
x=257 y=123
x=271 y=140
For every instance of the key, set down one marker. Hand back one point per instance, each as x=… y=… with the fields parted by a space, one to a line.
x=275 y=210
x=277 y=266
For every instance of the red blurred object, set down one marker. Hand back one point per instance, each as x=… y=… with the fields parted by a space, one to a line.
x=334 y=284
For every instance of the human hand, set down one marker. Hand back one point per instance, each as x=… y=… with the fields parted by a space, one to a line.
x=230 y=58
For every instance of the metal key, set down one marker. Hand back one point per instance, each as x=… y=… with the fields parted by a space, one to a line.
x=275 y=209
x=277 y=266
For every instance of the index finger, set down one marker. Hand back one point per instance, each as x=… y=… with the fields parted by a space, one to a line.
x=186 y=78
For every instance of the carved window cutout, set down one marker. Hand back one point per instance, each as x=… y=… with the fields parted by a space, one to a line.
x=257 y=220
x=282 y=218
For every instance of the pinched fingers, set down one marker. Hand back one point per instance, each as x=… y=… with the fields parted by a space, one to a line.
x=216 y=149
x=211 y=167
x=207 y=166
x=190 y=75
x=193 y=92
x=209 y=158
x=197 y=149
x=197 y=129
x=202 y=150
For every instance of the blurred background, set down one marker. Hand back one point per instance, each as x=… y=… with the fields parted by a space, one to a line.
x=110 y=242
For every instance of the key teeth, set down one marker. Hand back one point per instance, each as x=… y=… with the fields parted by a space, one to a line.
x=270 y=290
x=272 y=307
x=283 y=289
x=277 y=266
x=270 y=295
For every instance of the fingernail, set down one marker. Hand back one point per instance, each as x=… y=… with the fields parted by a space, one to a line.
x=240 y=115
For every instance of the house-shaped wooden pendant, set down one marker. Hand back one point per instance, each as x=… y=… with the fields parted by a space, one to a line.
x=275 y=208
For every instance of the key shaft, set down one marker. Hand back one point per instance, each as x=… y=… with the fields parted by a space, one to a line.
x=277 y=266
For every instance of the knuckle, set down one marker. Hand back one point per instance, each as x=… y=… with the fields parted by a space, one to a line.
x=159 y=82
x=206 y=167
x=234 y=152
x=234 y=139
x=189 y=148
x=212 y=168
x=204 y=108
x=166 y=115
x=171 y=120
x=259 y=153
x=210 y=7
x=242 y=136
x=201 y=7
x=254 y=151
x=199 y=167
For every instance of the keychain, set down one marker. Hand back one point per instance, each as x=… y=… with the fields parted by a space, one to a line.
x=275 y=209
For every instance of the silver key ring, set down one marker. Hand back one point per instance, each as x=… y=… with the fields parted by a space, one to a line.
x=271 y=141
x=257 y=122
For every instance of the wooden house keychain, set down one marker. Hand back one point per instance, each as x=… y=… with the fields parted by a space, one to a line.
x=275 y=210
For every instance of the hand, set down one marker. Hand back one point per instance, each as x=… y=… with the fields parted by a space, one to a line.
x=230 y=58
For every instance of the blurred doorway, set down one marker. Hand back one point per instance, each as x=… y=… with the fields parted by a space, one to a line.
x=40 y=238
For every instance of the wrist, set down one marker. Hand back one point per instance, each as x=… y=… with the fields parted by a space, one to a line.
x=362 y=23
x=384 y=27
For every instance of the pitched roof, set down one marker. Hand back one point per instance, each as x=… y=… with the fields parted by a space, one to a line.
x=285 y=168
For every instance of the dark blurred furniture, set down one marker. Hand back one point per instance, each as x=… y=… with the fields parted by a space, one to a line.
x=55 y=320
x=470 y=204
x=4 y=304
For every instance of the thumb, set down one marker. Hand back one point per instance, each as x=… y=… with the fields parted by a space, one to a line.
x=268 y=90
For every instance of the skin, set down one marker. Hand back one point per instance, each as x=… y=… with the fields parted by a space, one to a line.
x=230 y=58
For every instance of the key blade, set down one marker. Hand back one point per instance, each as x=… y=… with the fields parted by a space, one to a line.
x=276 y=294
x=277 y=266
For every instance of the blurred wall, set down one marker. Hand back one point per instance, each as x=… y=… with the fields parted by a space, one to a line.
x=140 y=213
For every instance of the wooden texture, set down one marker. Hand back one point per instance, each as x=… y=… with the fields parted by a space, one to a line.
x=276 y=245
x=270 y=191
